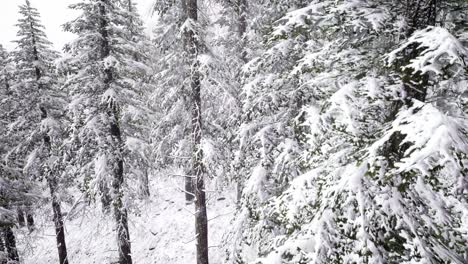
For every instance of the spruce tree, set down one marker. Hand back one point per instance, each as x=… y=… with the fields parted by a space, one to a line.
x=385 y=169
x=12 y=189
x=106 y=102
x=36 y=86
x=192 y=42
x=171 y=96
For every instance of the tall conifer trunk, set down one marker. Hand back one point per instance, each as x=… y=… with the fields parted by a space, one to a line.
x=10 y=245
x=201 y=221
x=3 y=259
x=51 y=179
x=120 y=212
x=30 y=220
x=58 y=218
x=21 y=218
x=189 y=182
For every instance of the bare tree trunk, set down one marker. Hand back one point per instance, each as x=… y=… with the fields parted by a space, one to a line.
x=189 y=188
x=105 y=197
x=3 y=252
x=189 y=183
x=58 y=218
x=21 y=218
x=58 y=222
x=30 y=219
x=201 y=221
x=120 y=212
x=10 y=245
x=144 y=188
x=51 y=180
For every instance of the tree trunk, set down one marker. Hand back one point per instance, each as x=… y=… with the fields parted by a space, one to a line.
x=201 y=221
x=144 y=188
x=189 y=188
x=10 y=245
x=21 y=218
x=30 y=220
x=105 y=197
x=52 y=182
x=189 y=182
x=120 y=212
x=58 y=221
x=3 y=252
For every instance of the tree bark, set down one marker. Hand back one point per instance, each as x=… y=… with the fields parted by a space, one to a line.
x=58 y=218
x=105 y=197
x=10 y=245
x=52 y=182
x=3 y=252
x=189 y=188
x=30 y=220
x=21 y=218
x=189 y=182
x=120 y=212
x=144 y=188
x=201 y=221
x=58 y=222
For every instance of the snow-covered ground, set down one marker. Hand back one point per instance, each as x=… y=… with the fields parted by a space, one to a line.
x=162 y=231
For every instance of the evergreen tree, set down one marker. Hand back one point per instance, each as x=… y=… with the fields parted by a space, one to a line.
x=171 y=97
x=106 y=102
x=382 y=180
x=8 y=249
x=192 y=42
x=36 y=86
x=13 y=191
x=138 y=134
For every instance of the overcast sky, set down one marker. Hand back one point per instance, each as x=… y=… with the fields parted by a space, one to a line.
x=53 y=14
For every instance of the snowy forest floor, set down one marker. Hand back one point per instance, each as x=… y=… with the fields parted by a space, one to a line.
x=161 y=232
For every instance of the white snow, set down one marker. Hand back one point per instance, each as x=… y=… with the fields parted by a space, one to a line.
x=161 y=229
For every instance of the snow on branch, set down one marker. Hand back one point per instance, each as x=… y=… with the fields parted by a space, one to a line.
x=439 y=50
x=435 y=139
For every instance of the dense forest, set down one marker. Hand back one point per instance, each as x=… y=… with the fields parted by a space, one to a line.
x=236 y=131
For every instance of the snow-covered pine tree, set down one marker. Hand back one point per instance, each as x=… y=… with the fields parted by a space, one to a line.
x=270 y=136
x=387 y=179
x=138 y=140
x=36 y=126
x=233 y=51
x=12 y=192
x=106 y=102
x=192 y=43
x=9 y=191
x=171 y=97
